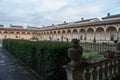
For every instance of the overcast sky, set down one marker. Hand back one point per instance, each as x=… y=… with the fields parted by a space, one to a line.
x=46 y=12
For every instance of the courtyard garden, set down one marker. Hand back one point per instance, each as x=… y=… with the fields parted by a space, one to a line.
x=47 y=58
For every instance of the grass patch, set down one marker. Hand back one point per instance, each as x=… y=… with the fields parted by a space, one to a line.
x=87 y=54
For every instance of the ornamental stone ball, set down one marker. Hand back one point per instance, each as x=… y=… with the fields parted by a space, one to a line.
x=75 y=53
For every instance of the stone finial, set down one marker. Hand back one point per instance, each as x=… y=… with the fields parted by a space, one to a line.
x=75 y=53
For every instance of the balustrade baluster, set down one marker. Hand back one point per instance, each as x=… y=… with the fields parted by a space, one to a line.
x=87 y=74
x=110 y=70
x=115 y=67
x=119 y=67
x=106 y=70
x=113 y=78
x=94 y=72
x=100 y=71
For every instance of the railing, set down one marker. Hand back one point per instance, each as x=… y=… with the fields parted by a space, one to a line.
x=98 y=46
x=108 y=69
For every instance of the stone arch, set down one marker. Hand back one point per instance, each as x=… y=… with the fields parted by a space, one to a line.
x=59 y=32
x=51 y=35
x=46 y=37
x=82 y=33
x=63 y=36
x=47 y=33
x=12 y=34
x=17 y=35
x=90 y=34
x=69 y=35
x=50 y=32
x=111 y=33
x=63 y=31
x=58 y=35
x=54 y=35
x=54 y=32
x=23 y=33
x=75 y=33
x=28 y=33
x=0 y=35
x=44 y=33
x=17 y=32
x=5 y=34
x=100 y=34
x=119 y=34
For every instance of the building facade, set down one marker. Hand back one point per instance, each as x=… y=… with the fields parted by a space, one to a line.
x=106 y=29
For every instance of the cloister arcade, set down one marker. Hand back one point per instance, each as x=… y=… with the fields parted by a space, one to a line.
x=86 y=34
x=15 y=34
x=105 y=30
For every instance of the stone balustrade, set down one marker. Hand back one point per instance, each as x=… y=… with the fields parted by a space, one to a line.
x=108 y=69
x=99 y=69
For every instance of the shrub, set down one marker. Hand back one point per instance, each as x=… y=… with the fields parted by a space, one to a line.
x=45 y=57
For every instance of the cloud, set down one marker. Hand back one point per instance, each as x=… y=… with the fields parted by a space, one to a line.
x=47 y=12
x=19 y=1
x=51 y=5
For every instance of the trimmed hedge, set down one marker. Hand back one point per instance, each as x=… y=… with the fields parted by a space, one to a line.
x=45 y=57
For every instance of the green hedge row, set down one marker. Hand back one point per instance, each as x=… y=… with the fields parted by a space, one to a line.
x=45 y=57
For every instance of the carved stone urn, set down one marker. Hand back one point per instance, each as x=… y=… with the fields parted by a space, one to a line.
x=75 y=53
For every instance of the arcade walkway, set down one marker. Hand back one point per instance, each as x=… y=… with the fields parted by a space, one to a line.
x=11 y=69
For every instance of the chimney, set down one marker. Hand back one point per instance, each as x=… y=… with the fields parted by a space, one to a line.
x=65 y=22
x=10 y=25
x=52 y=24
x=82 y=19
x=108 y=14
x=28 y=25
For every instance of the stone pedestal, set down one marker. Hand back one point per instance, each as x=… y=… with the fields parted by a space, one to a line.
x=74 y=68
x=73 y=73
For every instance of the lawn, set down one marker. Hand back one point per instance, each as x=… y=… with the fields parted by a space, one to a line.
x=88 y=54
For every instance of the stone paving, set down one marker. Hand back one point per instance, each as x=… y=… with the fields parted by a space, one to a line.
x=11 y=69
